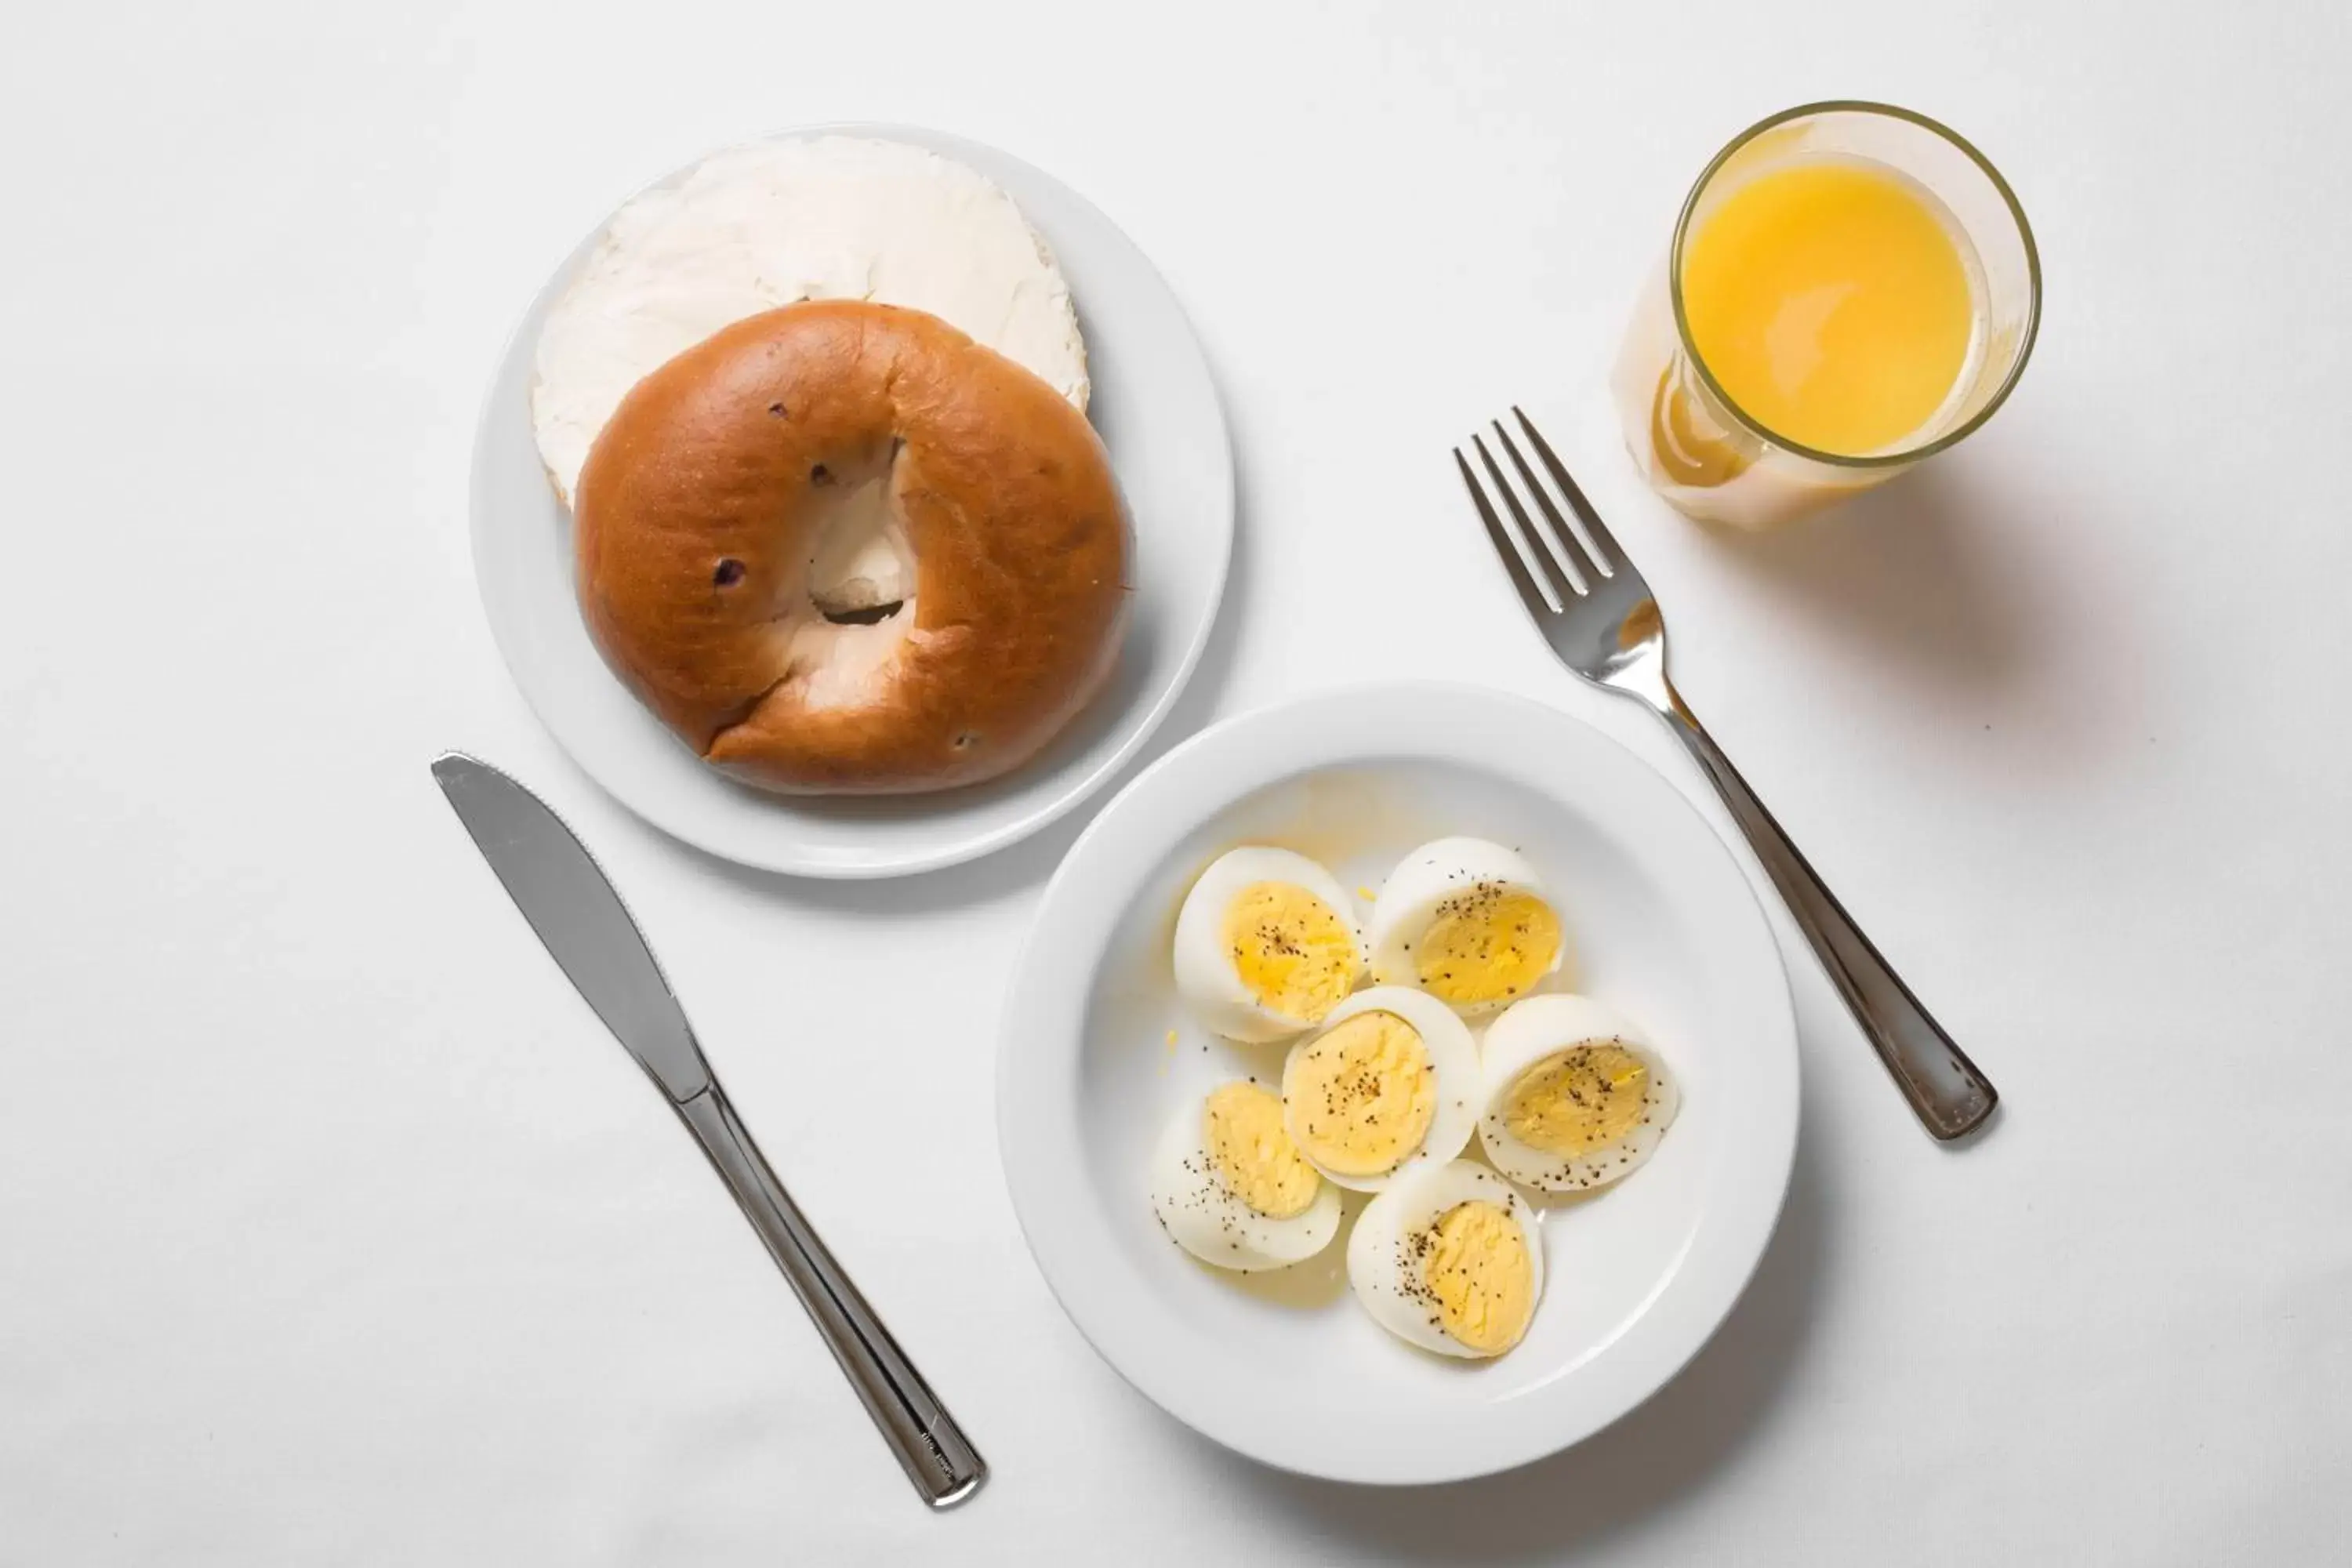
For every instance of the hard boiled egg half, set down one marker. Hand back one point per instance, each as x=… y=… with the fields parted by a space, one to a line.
x=1390 y=1081
x=1231 y=1187
x=1266 y=944
x=1468 y=921
x=1576 y=1096
x=1449 y=1259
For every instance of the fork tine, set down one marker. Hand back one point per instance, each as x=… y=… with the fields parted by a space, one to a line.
x=1534 y=591
x=1604 y=547
x=1565 y=547
x=1528 y=529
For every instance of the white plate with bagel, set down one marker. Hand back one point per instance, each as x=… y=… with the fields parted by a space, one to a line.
x=904 y=502
x=1509 y=907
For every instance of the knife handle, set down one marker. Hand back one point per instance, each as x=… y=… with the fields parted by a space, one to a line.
x=937 y=1456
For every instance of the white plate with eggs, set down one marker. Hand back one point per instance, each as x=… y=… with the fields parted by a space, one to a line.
x=1400 y=1085
x=1157 y=411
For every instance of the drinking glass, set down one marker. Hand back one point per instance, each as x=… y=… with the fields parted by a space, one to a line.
x=1716 y=462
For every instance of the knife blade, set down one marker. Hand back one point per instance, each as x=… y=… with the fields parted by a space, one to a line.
x=579 y=919
x=571 y=903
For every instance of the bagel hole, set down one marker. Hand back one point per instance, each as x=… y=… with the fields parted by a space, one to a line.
x=728 y=573
x=869 y=617
x=861 y=563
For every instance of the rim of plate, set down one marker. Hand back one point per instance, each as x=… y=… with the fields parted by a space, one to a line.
x=1134 y=729
x=1046 y=1007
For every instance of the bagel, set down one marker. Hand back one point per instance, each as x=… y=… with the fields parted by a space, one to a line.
x=770 y=224
x=842 y=547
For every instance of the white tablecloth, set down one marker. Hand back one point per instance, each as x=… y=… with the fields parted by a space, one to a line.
x=333 y=1229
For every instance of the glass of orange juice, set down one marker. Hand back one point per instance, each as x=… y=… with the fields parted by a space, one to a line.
x=1852 y=289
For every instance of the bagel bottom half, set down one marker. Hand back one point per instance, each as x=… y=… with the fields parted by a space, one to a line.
x=842 y=547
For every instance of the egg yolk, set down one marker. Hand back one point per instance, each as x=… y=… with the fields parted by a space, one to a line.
x=1242 y=1129
x=1291 y=949
x=1487 y=943
x=1360 y=1098
x=1476 y=1266
x=1577 y=1101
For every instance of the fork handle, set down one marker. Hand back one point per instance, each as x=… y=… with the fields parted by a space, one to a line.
x=1947 y=1092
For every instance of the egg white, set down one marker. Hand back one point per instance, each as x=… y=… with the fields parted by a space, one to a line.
x=1202 y=1214
x=1205 y=976
x=1383 y=1271
x=1426 y=877
x=1529 y=1031
x=1453 y=1057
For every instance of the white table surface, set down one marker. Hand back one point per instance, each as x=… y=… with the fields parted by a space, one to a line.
x=333 y=1229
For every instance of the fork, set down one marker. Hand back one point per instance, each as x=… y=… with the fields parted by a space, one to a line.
x=1591 y=603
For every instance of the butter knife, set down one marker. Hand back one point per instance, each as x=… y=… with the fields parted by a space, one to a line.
x=585 y=928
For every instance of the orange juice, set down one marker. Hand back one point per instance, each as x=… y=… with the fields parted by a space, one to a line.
x=1833 y=302
x=1851 y=290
